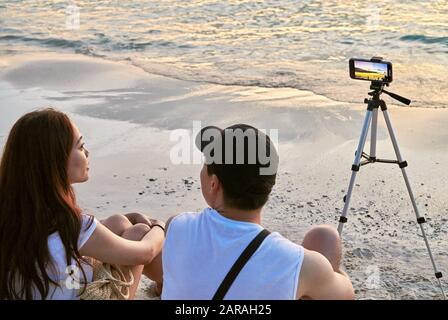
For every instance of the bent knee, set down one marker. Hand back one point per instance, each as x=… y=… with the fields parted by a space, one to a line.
x=325 y=239
x=325 y=229
x=117 y=219
x=141 y=228
x=323 y=233
x=117 y=223
x=136 y=232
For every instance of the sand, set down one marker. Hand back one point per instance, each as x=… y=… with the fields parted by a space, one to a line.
x=127 y=117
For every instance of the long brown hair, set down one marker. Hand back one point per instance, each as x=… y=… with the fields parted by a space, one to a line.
x=36 y=200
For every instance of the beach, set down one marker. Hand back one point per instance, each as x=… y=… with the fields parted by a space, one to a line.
x=127 y=117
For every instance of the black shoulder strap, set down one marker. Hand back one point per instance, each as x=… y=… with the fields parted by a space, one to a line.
x=239 y=264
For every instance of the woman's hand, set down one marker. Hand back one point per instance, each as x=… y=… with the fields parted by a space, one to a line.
x=159 y=222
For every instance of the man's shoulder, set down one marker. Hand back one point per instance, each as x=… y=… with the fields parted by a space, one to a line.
x=189 y=215
x=279 y=243
x=185 y=217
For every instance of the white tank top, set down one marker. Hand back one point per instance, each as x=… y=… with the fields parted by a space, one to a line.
x=200 y=249
x=69 y=284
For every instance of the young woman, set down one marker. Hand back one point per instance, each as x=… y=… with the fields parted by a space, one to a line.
x=44 y=236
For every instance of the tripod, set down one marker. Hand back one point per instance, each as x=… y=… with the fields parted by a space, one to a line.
x=372 y=118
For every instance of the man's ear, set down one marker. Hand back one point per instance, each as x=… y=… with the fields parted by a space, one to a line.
x=215 y=184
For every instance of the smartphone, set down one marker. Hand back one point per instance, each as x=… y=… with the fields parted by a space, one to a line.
x=370 y=70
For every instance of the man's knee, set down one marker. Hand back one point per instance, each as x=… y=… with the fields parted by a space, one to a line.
x=325 y=239
x=323 y=233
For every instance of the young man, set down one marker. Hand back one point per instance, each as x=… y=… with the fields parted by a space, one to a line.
x=200 y=248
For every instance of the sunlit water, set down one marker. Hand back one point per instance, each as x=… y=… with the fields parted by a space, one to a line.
x=274 y=43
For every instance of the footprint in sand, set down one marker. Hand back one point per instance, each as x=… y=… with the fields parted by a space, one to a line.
x=363 y=253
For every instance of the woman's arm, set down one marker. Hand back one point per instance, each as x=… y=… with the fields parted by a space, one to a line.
x=108 y=247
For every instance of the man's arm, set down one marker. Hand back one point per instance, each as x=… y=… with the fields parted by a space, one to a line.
x=318 y=280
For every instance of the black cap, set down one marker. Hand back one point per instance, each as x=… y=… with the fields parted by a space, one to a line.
x=243 y=158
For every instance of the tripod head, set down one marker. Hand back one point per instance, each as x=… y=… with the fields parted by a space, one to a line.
x=378 y=89
x=379 y=73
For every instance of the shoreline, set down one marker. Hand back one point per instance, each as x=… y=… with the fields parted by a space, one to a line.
x=127 y=115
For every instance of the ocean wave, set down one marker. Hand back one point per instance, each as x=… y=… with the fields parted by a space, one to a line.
x=100 y=43
x=139 y=46
x=50 y=42
x=301 y=76
x=425 y=39
x=271 y=44
x=339 y=92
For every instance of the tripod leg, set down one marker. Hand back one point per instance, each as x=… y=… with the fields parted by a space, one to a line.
x=420 y=220
x=373 y=132
x=355 y=169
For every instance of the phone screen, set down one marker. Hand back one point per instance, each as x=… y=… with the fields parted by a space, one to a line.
x=369 y=70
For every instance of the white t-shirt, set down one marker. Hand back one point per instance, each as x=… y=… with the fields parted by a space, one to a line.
x=69 y=286
x=200 y=249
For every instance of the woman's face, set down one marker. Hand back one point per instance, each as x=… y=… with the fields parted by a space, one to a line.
x=78 y=164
